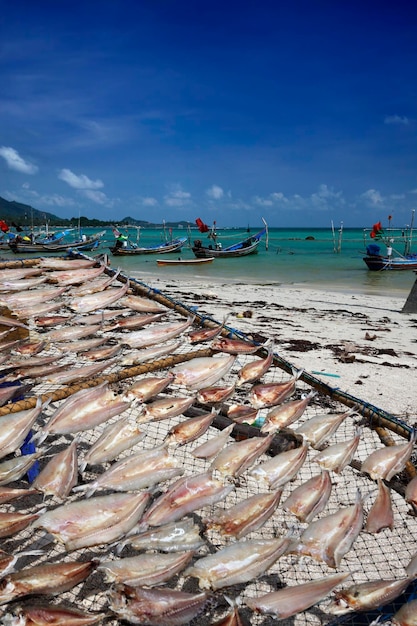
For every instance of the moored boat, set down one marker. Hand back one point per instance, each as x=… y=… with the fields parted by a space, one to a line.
x=392 y=259
x=85 y=243
x=184 y=261
x=242 y=248
x=126 y=248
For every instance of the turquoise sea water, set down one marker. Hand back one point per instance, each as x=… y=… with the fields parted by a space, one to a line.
x=291 y=258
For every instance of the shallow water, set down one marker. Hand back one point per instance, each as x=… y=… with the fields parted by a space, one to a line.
x=304 y=257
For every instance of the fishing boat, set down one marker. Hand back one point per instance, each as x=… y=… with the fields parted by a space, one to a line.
x=124 y=246
x=24 y=245
x=132 y=249
x=185 y=261
x=242 y=248
x=391 y=258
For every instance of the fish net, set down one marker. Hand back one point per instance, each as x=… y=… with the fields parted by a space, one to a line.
x=373 y=556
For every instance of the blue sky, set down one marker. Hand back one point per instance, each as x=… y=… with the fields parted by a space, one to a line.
x=299 y=112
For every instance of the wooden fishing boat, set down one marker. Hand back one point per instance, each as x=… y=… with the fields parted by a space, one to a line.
x=127 y=248
x=242 y=248
x=86 y=243
x=185 y=261
x=391 y=259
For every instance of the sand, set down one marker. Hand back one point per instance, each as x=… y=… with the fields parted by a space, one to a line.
x=363 y=345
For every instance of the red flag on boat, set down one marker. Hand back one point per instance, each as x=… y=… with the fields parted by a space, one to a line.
x=376 y=231
x=3 y=226
x=202 y=227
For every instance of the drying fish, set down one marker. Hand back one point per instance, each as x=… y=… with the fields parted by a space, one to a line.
x=215 y=395
x=38 y=372
x=236 y=458
x=137 y=471
x=271 y=394
x=31 y=347
x=19 y=272
x=133 y=321
x=336 y=457
x=175 y=537
x=145 y=569
x=12 y=523
x=35 y=361
x=234 y=346
x=8 y=561
x=116 y=438
x=22 y=284
x=292 y=600
x=202 y=371
x=99 y=520
x=238 y=563
x=329 y=538
x=7 y=393
x=147 y=388
x=245 y=516
x=368 y=595
x=106 y=352
x=92 y=302
x=10 y=321
x=32 y=298
x=142 y=305
x=242 y=413
x=189 y=430
x=74 y=277
x=406 y=615
x=79 y=373
x=8 y=345
x=84 y=410
x=149 y=354
x=70 y=333
x=185 y=496
x=101 y=316
x=15 y=426
x=205 y=334
x=47 y=579
x=8 y=494
x=285 y=414
x=15 y=468
x=164 y=408
x=60 y=475
x=380 y=515
x=155 y=334
x=82 y=345
x=53 y=615
x=320 y=428
x=213 y=446
x=94 y=286
x=253 y=371
x=281 y=468
x=386 y=462
x=53 y=263
x=411 y=492
x=310 y=498
x=37 y=309
x=156 y=607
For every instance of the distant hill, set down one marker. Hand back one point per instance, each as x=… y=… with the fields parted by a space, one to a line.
x=25 y=215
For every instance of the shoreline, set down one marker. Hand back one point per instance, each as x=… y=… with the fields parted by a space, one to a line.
x=364 y=347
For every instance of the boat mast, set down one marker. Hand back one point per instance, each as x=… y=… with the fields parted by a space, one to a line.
x=266 y=233
x=409 y=239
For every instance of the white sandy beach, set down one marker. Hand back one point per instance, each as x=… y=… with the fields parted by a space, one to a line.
x=363 y=345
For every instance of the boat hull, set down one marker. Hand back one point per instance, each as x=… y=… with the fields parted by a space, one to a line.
x=381 y=263
x=185 y=261
x=166 y=248
x=53 y=248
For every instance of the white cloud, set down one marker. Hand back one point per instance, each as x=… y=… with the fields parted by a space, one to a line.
x=215 y=192
x=96 y=196
x=15 y=161
x=396 y=119
x=177 y=197
x=279 y=197
x=149 y=201
x=262 y=201
x=373 y=197
x=79 y=182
